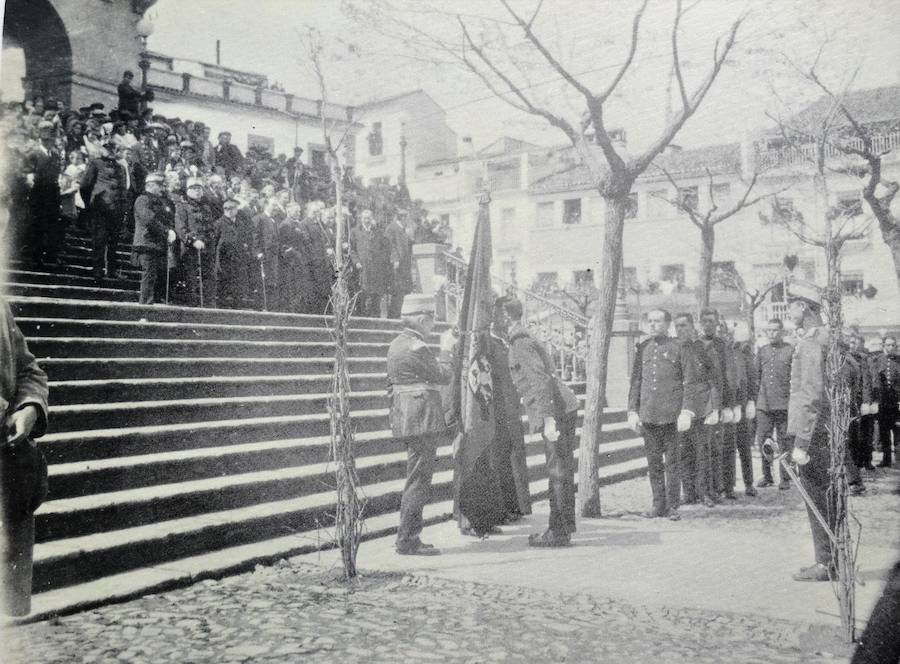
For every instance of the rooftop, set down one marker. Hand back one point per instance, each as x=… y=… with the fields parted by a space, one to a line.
x=866 y=106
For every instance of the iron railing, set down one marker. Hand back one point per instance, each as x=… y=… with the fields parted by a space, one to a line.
x=791 y=155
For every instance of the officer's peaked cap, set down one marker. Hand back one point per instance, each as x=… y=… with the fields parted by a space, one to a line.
x=800 y=289
x=418 y=303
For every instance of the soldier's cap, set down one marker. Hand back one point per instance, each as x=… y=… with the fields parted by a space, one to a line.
x=84 y=110
x=186 y=144
x=800 y=289
x=171 y=138
x=194 y=182
x=45 y=124
x=224 y=133
x=157 y=125
x=231 y=203
x=418 y=303
x=96 y=106
x=158 y=178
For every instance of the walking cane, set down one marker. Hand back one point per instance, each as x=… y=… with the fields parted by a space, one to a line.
x=262 y=274
x=200 y=275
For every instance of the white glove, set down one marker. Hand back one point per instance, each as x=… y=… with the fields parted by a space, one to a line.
x=712 y=418
x=29 y=179
x=260 y=256
x=550 y=431
x=751 y=410
x=448 y=340
x=634 y=421
x=170 y=236
x=199 y=245
x=800 y=457
x=727 y=416
x=684 y=420
x=736 y=411
x=874 y=408
x=865 y=409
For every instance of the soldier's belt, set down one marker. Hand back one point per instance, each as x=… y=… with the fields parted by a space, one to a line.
x=414 y=387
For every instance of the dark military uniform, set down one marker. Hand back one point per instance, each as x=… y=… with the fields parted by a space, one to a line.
x=741 y=432
x=862 y=427
x=544 y=395
x=415 y=375
x=722 y=357
x=194 y=220
x=665 y=380
x=694 y=453
x=154 y=217
x=888 y=391
x=773 y=366
x=808 y=419
x=106 y=197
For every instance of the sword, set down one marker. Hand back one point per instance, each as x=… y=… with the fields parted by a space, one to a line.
x=200 y=273
x=262 y=274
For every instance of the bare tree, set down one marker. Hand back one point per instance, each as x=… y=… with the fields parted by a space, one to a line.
x=751 y=297
x=613 y=173
x=706 y=221
x=349 y=505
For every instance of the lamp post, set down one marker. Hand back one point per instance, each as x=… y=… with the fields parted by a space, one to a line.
x=144 y=29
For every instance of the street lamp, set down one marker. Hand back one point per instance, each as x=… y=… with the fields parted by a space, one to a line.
x=144 y=29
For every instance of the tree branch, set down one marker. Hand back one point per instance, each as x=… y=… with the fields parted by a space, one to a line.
x=632 y=49
x=676 y=62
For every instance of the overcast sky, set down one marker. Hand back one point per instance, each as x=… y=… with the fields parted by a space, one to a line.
x=591 y=35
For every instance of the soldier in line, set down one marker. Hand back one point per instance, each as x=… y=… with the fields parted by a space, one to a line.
x=552 y=410
x=808 y=417
x=195 y=225
x=103 y=189
x=415 y=376
x=863 y=427
x=666 y=395
x=742 y=430
x=154 y=222
x=694 y=452
x=773 y=366
x=720 y=353
x=888 y=387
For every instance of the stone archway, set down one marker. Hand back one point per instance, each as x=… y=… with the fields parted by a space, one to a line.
x=36 y=27
x=75 y=50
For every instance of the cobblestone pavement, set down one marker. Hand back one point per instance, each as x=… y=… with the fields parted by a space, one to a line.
x=300 y=612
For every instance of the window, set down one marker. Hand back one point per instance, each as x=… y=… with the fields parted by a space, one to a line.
x=445 y=219
x=546 y=282
x=723 y=273
x=504 y=174
x=674 y=274
x=376 y=140
x=852 y=282
x=849 y=204
x=629 y=278
x=544 y=216
x=384 y=179
x=657 y=204
x=721 y=193
x=507 y=221
x=317 y=158
x=264 y=142
x=631 y=208
x=583 y=278
x=572 y=211
x=508 y=270
x=689 y=197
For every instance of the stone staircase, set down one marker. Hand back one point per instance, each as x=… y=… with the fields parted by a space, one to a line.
x=191 y=443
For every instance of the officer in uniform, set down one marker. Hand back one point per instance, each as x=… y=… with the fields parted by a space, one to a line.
x=694 y=453
x=808 y=419
x=719 y=351
x=195 y=225
x=154 y=223
x=743 y=429
x=888 y=386
x=104 y=191
x=666 y=395
x=773 y=366
x=552 y=409
x=415 y=375
x=863 y=427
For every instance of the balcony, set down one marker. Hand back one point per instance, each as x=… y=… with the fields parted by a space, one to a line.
x=806 y=154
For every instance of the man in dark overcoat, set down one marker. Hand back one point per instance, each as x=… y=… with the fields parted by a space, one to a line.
x=195 y=225
x=104 y=190
x=154 y=230
x=401 y=263
x=316 y=252
x=233 y=259
x=370 y=252
x=415 y=376
x=45 y=230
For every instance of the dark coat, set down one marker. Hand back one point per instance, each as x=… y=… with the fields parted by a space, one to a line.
x=195 y=220
x=22 y=381
x=773 y=366
x=228 y=158
x=233 y=260
x=665 y=381
x=154 y=217
x=747 y=384
x=103 y=185
x=722 y=356
x=542 y=393
x=293 y=272
x=315 y=243
x=414 y=373
x=371 y=250
x=708 y=376
x=401 y=255
x=129 y=98
x=887 y=381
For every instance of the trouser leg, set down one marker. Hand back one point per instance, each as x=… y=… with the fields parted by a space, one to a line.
x=395 y=305
x=421 y=454
x=764 y=427
x=672 y=467
x=716 y=445
x=657 y=442
x=887 y=418
x=561 y=474
x=114 y=222
x=150 y=268
x=729 y=457
x=743 y=439
x=814 y=476
x=701 y=436
x=99 y=233
x=16 y=565
x=688 y=465
x=866 y=437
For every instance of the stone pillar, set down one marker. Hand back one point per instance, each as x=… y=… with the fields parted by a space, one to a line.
x=429 y=263
x=185 y=82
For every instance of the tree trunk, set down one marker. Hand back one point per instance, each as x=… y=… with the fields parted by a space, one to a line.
x=600 y=337
x=891 y=237
x=708 y=238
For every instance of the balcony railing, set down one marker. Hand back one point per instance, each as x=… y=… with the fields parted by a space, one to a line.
x=789 y=156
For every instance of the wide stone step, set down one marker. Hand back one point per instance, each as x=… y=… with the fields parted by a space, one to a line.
x=151 y=368
x=131 y=273
x=54 y=307
x=84 y=557
x=96 y=444
x=24 y=276
x=86 y=328
x=71 y=392
x=85 y=417
x=72 y=292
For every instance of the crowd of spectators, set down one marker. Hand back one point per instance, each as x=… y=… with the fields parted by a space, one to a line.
x=209 y=226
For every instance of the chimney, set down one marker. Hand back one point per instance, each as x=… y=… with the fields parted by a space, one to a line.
x=466 y=147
